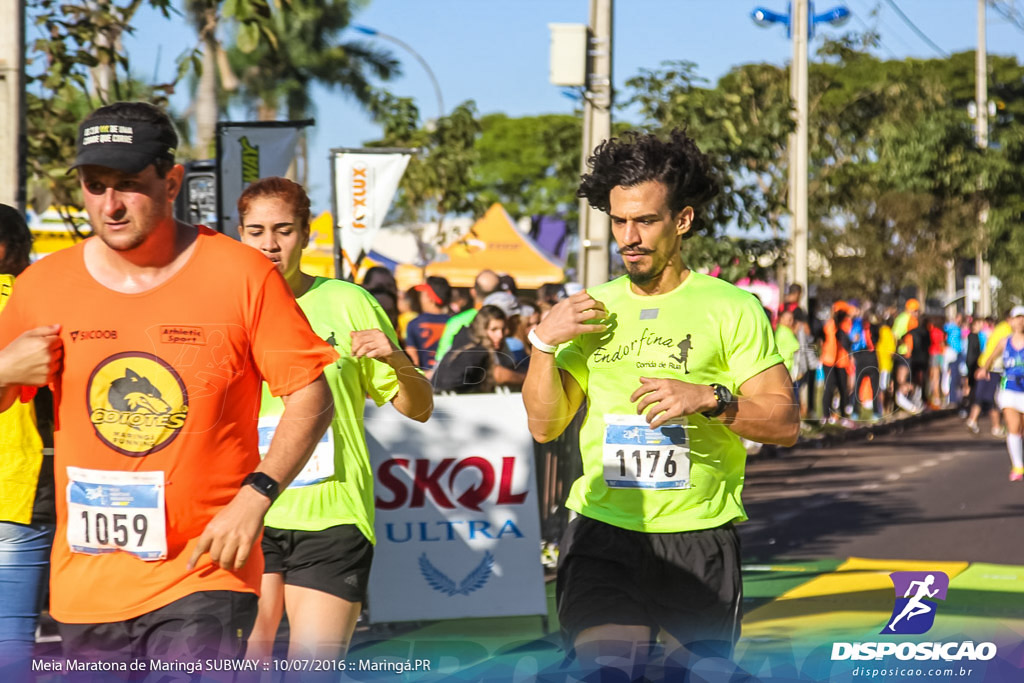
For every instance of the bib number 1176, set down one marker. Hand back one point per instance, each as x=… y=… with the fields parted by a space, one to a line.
x=638 y=457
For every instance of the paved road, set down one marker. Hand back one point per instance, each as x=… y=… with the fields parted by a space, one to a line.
x=932 y=492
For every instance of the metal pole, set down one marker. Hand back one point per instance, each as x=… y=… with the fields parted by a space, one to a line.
x=12 y=105
x=799 y=27
x=595 y=226
x=419 y=58
x=981 y=131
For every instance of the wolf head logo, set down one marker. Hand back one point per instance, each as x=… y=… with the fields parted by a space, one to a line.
x=134 y=393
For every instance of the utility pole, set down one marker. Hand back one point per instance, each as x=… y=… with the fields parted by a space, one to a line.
x=595 y=226
x=981 y=132
x=798 y=146
x=12 y=105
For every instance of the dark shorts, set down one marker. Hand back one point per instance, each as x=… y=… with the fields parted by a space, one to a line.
x=335 y=561
x=204 y=625
x=985 y=390
x=687 y=583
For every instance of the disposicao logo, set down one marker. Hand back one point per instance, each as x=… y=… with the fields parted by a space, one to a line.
x=914 y=611
x=914 y=614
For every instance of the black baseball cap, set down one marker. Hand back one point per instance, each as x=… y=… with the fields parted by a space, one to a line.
x=124 y=145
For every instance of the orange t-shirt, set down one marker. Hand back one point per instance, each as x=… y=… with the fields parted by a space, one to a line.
x=165 y=381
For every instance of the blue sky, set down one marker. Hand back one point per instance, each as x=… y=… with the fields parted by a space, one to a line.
x=496 y=51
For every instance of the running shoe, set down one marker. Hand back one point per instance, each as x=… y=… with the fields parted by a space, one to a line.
x=999 y=432
x=1016 y=474
x=973 y=427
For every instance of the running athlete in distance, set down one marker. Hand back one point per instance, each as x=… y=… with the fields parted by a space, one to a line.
x=318 y=540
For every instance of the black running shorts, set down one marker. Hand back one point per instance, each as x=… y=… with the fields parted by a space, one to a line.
x=687 y=583
x=336 y=560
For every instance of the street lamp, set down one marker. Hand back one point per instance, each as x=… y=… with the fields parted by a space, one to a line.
x=426 y=67
x=799 y=22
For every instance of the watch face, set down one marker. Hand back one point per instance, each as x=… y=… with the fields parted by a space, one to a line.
x=263 y=483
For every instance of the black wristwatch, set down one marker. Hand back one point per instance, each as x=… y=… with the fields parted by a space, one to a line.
x=724 y=398
x=264 y=484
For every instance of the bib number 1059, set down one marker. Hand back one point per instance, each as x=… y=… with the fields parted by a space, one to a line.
x=118 y=528
x=110 y=511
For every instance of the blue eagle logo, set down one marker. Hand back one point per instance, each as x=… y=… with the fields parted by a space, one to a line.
x=475 y=580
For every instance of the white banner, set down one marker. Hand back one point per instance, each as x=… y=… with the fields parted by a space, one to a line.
x=364 y=185
x=248 y=152
x=458 y=527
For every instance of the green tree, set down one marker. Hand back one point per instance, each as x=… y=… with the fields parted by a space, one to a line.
x=531 y=164
x=306 y=50
x=78 y=46
x=438 y=181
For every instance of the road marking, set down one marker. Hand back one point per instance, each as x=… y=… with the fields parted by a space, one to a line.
x=892 y=477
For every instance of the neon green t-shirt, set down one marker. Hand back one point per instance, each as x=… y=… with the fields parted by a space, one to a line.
x=451 y=328
x=706 y=330
x=345 y=495
x=788 y=345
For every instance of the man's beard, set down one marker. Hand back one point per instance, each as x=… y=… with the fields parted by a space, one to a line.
x=639 y=275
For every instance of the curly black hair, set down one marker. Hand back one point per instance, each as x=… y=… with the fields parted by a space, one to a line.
x=641 y=157
x=17 y=240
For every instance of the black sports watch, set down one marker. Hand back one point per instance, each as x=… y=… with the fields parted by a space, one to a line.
x=724 y=398
x=264 y=484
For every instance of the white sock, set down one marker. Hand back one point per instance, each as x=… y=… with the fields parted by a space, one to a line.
x=1015 y=445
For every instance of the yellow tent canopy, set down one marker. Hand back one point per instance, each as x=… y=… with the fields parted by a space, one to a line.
x=492 y=243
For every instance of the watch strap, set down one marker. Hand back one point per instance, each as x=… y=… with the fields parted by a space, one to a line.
x=264 y=484
x=724 y=398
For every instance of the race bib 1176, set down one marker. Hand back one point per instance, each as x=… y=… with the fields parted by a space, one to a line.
x=638 y=457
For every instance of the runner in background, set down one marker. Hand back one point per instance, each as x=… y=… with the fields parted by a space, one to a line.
x=988 y=382
x=953 y=359
x=788 y=345
x=487 y=282
x=885 y=353
x=835 y=361
x=1011 y=394
x=27 y=507
x=318 y=540
x=425 y=330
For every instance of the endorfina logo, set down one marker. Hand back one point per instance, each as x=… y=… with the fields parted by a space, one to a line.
x=137 y=403
x=914 y=612
x=441 y=582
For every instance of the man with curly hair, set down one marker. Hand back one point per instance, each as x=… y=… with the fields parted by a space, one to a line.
x=675 y=367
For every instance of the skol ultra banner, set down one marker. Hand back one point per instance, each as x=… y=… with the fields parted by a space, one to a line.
x=247 y=152
x=457 y=520
x=364 y=185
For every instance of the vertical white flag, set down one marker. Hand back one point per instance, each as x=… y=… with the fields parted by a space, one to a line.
x=247 y=152
x=364 y=185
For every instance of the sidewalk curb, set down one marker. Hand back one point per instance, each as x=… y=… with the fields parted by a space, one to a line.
x=869 y=431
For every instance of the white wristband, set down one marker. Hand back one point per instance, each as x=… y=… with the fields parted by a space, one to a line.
x=538 y=344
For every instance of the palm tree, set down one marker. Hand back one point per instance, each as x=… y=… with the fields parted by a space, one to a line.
x=308 y=51
x=216 y=72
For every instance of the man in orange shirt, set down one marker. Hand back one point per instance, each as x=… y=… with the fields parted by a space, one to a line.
x=167 y=331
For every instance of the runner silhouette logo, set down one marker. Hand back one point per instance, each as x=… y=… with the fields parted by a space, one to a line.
x=914 y=611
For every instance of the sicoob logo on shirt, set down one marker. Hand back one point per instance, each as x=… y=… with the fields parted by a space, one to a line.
x=137 y=403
